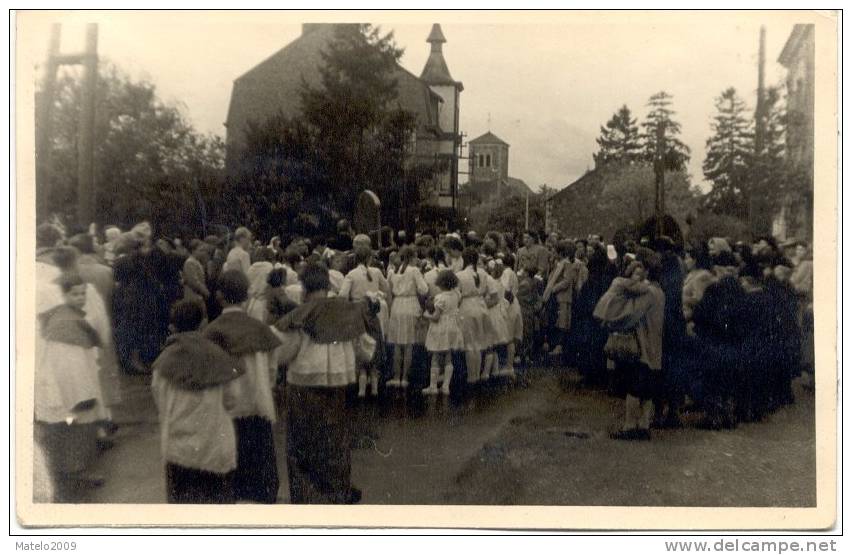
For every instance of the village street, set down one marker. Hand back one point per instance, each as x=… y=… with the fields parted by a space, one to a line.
x=544 y=444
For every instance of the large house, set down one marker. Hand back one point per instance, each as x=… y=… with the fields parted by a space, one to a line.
x=273 y=87
x=795 y=219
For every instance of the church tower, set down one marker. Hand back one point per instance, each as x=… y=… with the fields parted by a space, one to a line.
x=437 y=76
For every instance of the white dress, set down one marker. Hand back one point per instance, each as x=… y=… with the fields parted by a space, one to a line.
x=356 y=286
x=473 y=312
x=405 y=310
x=514 y=317
x=446 y=334
x=497 y=313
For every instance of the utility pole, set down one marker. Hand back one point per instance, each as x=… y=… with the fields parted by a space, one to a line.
x=759 y=129
x=527 y=212
x=660 y=179
x=86 y=148
x=86 y=139
x=44 y=119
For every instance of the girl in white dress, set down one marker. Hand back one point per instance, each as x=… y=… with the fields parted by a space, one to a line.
x=473 y=312
x=438 y=262
x=406 y=285
x=514 y=317
x=367 y=282
x=495 y=300
x=445 y=334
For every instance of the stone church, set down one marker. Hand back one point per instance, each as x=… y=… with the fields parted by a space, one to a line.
x=273 y=86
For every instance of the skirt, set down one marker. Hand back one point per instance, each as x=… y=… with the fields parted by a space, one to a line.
x=499 y=329
x=445 y=335
x=319 y=456
x=638 y=380
x=475 y=325
x=515 y=321
x=194 y=486
x=256 y=476
x=403 y=324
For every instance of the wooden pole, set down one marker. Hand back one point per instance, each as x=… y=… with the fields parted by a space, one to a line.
x=527 y=212
x=759 y=132
x=43 y=124
x=86 y=144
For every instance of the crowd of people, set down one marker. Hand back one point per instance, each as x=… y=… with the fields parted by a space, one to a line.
x=224 y=323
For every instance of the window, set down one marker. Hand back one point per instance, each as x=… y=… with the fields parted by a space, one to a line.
x=481 y=160
x=488 y=160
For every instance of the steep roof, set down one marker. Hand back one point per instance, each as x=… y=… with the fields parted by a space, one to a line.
x=794 y=41
x=274 y=85
x=435 y=72
x=488 y=138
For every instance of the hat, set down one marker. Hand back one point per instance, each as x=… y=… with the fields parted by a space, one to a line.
x=142 y=231
x=112 y=233
x=720 y=243
x=361 y=238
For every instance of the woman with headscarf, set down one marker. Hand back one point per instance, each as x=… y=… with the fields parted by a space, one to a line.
x=148 y=283
x=718 y=347
x=590 y=335
x=633 y=310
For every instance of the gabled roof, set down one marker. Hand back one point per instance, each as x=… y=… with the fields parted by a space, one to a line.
x=273 y=86
x=488 y=138
x=794 y=42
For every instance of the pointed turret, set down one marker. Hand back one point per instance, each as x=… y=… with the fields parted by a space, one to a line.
x=435 y=71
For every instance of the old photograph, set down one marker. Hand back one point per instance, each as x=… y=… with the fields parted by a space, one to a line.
x=407 y=259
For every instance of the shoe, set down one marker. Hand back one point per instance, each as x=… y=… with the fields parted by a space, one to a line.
x=403 y=384
x=445 y=389
x=556 y=351
x=431 y=390
x=104 y=444
x=88 y=480
x=631 y=435
x=393 y=383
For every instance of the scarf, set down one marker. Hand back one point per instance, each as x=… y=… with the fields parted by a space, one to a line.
x=240 y=334
x=65 y=324
x=191 y=362
x=328 y=320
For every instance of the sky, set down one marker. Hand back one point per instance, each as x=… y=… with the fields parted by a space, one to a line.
x=546 y=82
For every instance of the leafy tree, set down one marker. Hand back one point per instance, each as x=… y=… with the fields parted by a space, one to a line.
x=351 y=135
x=619 y=140
x=729 y=155
x=357 y=86
x=660 y=114
x=149 y=162
x=508 y=213
x=627 y=193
